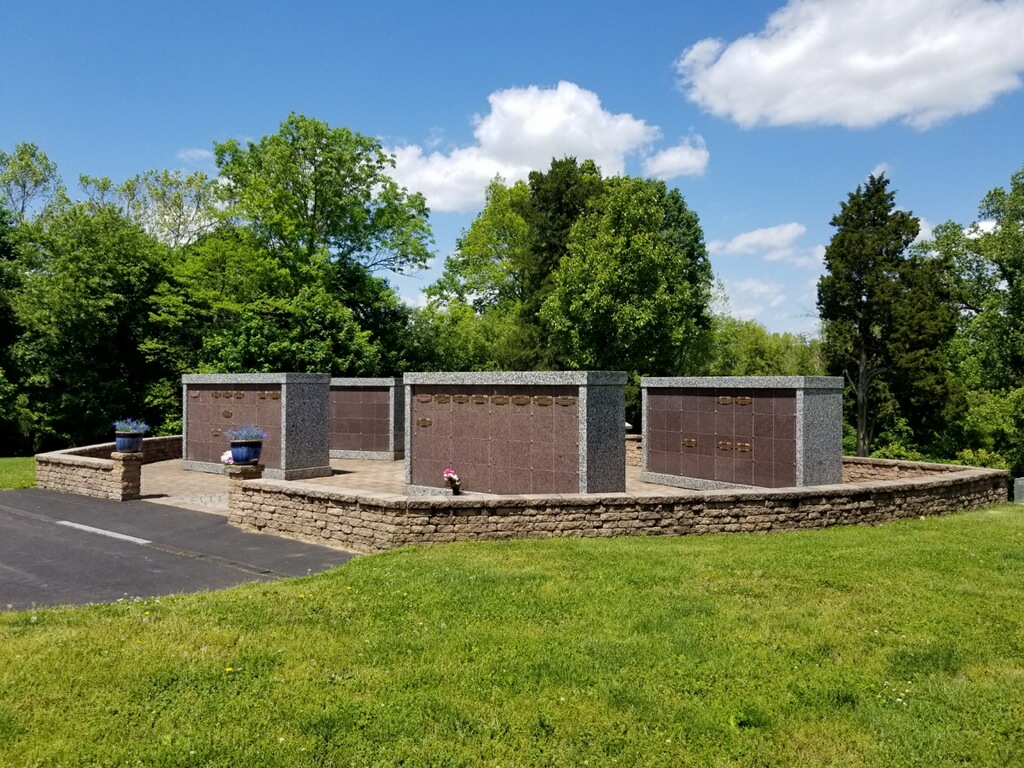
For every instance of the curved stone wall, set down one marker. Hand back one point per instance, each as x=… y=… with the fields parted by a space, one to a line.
x=378 y=522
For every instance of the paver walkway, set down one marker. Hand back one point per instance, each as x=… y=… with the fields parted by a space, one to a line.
x=165 y=482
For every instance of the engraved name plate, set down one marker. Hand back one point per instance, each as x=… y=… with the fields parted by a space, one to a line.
x=442 y=398
x=193 y=394
x=460 y=398
x=479 y=399
x=262 y=395
x=499 y=399
x=424 y=398
x=423 y=422
x=520 y=400
x=216 y=393
x=226 y=414
x=239 y=395
x=725 y=400
x=744 y=400
x=743 y=447
x=275 y=395
x=689 y=442
x=565 y=400
x=543 y=400
x=725 y=445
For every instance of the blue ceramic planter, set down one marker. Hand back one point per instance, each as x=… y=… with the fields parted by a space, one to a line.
x=128 y=442
x=246 y=451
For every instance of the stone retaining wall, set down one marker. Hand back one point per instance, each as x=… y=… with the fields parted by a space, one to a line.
x=375 y=523
x=98 y=470
x=858 y=470
x=634 y=451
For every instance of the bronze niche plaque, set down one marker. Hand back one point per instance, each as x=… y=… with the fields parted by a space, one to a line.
x=442 y=398
x=565 y=400
x=239 y=395
x=744 y=400
x=689 y=442
x=193 y=393
x=479 y=399
x=424 y=398
x=460 y=399
x=215 y=432
x=261 y=395
x=743 y=447
x=724 y=445
x=226 y=414
x=216 y=393
x=499 y=399
x=423 y=422
x=725 y=400
x=543 y=400
x=520 y=400
x=275 y=395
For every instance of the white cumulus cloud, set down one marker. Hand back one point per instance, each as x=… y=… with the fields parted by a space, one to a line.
x=524 y=130
x=860 y=63
x=777 y=243
x=688 y=158
x=751 y=297
x=195 y=155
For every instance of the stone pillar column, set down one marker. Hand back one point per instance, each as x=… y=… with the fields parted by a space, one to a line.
x=238 y=474
x=126 y=477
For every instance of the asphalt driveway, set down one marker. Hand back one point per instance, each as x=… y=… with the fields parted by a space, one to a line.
x=61 y=549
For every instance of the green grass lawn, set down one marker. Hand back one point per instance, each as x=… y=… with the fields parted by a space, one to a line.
x=901 y=645
x=17 y=472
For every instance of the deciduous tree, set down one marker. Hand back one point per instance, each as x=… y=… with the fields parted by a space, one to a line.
x=310 y=188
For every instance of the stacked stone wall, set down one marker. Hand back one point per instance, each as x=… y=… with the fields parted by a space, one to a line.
x=859 y=470
x=100 y=471
x=375 y=523
x=634 y=451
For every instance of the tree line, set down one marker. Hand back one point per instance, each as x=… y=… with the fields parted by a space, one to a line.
x=280 y=263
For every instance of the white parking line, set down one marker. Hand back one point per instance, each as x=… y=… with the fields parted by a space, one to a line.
x=101 y=532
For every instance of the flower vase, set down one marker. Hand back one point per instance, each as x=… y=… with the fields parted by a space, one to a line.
x=128 y=442
x=246 y=451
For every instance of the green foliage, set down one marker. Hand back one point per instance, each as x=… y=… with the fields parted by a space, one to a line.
x=574 y=271
x=87 y=273
x=27 y=177
x=505 y=262
x=174 y=208
x=747 y=348
x=311 y=188
x=891 y=646
x=987 y=355
x=486 y=269
x=888 y=318
x=981 y=458
x=633 y=291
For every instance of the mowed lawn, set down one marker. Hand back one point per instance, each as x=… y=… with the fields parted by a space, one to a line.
x=899 y=645
x=19 y=472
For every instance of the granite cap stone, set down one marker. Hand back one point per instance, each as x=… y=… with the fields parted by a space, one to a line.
x=745 y=382
x=255 y=378
x=521 y=378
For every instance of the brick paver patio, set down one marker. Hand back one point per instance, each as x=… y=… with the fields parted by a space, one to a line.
x=165 y=482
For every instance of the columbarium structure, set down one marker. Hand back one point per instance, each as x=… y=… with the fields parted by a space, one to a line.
x=741 y=431
x=291 y=407
x=367 y=419
x=516 y=433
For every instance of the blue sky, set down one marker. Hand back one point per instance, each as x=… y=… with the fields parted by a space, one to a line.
x=765 y=114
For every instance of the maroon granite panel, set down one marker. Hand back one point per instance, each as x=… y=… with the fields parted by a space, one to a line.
x=499 y=439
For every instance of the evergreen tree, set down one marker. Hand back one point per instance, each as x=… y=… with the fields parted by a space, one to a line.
x=887 y=318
